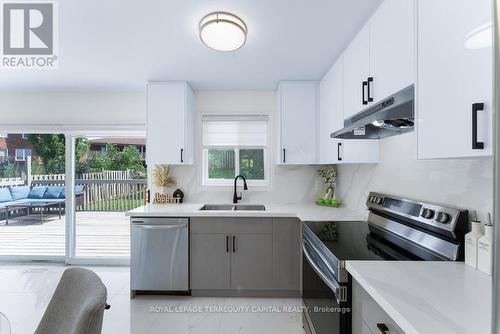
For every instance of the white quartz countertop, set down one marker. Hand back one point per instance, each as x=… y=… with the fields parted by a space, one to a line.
x=428 y=297
x=305 y=212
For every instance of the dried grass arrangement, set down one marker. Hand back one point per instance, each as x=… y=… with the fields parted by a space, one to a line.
x=162 y=178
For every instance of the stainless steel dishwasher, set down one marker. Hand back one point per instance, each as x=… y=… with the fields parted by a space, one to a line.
x=159 y=255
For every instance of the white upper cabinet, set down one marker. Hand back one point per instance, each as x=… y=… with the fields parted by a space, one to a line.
x=356 y=72
x=357 y=151
x=296 y=122
x=380 y=60
x=331 y=118
x=169 y=123
x=454 y=78
x=331 y=111
x=392 y=48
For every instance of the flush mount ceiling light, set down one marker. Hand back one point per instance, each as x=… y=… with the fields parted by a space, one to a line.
x=479 y=38
x=223 y=31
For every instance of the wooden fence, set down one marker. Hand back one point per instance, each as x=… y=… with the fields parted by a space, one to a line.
x=105 y=191
x=5 y=182
x=104 y=175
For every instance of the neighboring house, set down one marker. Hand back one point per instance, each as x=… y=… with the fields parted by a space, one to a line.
x=98 y=145
x=3 y=147
x=15 y=147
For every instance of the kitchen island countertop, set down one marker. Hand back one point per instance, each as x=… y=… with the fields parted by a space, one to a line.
x=425 y=297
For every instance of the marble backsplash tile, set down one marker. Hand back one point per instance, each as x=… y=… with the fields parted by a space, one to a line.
x=289 y=184
x=463 y=183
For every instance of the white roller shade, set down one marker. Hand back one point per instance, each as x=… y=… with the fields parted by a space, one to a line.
x=244 y=131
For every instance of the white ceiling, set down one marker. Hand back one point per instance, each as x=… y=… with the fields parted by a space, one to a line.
x=119 y=45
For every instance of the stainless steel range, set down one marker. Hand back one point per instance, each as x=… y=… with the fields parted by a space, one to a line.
x=397 y=229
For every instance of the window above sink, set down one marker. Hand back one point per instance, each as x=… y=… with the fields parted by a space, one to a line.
x=234 y=145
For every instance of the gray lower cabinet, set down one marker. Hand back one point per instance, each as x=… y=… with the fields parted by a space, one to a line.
x=210 y=261
x=367 y=316
x=287 y=254
x=251 y=261
x=245 y=254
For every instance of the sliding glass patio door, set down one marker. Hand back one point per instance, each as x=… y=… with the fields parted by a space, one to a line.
x=63 y=197
x=109 y=179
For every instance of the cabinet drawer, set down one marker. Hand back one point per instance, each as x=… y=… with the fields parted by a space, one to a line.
x=370 y=313
x=207 y=225
x=232 y=225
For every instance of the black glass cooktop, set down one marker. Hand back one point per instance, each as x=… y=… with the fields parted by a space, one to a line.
x=355 y=241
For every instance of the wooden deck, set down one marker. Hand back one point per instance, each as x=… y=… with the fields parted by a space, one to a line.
x=98 y=235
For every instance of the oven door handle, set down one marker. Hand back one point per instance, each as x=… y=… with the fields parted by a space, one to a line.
x=336 y=288
x=311 y=244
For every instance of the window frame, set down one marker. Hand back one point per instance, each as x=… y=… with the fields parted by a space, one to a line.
x=230 y=182
x=6 y=156
x=24 y=155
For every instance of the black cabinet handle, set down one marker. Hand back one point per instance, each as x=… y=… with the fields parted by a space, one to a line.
x=284 y=155
x=339 y=158
x=227 y=243
x=182 y=155
x=363 y=86
x=234 y=244
x=476 y=145
x=368 y=84
x=383 y=328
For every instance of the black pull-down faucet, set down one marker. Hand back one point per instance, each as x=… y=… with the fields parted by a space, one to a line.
x=245 y=187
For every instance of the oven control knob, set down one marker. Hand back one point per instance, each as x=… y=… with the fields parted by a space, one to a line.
x=442 y=217
x=427 y=213
x=370 y=199
x=378 y=200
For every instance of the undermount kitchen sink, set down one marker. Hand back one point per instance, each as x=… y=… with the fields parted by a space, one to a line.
x=230 y=207
x=217 y=207
x=249 y=207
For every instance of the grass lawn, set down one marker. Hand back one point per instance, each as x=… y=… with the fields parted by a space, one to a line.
x=115 y=204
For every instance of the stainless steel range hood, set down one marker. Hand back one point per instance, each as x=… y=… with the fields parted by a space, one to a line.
x=392 y=116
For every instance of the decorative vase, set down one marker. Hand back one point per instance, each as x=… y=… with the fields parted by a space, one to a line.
x=330 y=192
x=179 y=194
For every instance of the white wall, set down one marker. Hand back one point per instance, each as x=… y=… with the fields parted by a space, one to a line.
x=72 y=108
x=288 y=184
x=466 y=183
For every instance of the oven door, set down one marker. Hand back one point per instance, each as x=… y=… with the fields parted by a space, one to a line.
x=326 y=308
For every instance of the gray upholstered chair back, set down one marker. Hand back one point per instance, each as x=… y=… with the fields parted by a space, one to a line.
x=77 y=306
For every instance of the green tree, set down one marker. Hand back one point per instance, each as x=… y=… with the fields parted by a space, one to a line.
x=51 y=149
x=36 y=168
x=10 y=170
x=129 y=159
x=113 y=159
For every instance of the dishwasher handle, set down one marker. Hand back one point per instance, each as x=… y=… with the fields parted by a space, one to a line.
x=162 y=227
x=158 y=221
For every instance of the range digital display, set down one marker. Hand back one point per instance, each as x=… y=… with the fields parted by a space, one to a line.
x=409 y=208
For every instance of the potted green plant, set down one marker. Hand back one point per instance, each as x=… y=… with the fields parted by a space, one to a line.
x=329 y=176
